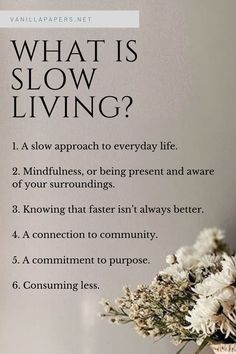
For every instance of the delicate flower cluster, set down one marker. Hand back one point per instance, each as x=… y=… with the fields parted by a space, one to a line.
x=199 y=260
x=156 y=310
x=215 y=309
x=193 y=299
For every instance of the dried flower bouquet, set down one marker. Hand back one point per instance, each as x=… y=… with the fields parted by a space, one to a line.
x=193 y=299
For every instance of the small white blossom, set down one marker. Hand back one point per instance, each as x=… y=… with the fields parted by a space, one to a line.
x=171 y=259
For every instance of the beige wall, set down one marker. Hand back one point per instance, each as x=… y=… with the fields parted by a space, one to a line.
x=184 y=90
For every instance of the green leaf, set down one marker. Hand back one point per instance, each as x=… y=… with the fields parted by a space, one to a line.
x=202 y=346
x=181 y=349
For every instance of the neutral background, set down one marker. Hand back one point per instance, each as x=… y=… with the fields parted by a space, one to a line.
x=184 y=90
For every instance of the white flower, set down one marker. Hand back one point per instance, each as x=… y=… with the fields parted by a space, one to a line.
x=176 y=272
x=185 y=251
x=187 y=257
x=209 y=261
x=227 y=298
x=225 y=325
x=215 y=283
x=208 y=240
x=227 y=294
x=201 y=317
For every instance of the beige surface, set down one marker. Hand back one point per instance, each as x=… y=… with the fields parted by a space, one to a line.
x=184 y=88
